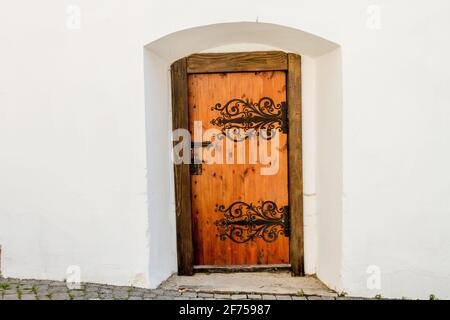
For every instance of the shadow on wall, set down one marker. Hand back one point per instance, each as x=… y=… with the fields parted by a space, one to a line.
x=322 y=137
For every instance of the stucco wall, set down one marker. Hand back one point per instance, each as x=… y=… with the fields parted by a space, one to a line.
x=76 y=166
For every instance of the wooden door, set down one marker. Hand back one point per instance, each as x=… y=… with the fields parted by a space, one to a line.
x=240 y=216
x=231 y=214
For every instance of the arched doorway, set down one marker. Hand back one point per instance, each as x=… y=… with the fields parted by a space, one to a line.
x=322 y=106
x=261 y=222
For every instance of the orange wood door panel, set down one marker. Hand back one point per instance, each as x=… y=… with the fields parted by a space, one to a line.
x=241 y=186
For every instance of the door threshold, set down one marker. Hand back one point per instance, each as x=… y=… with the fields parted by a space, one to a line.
x=243 y=268
x=282 y=283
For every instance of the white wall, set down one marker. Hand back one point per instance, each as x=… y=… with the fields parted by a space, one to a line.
x=74 y=159
x=329 y=168
x=396 y=209
x=160 y=185
x=72 y=168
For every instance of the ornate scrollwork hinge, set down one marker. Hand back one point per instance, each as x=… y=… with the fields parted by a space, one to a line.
x=244 y=222
x=264 y=115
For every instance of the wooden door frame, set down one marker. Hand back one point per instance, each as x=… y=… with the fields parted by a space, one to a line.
x=239 y=62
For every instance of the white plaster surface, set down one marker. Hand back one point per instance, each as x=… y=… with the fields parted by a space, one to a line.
x=84 y=181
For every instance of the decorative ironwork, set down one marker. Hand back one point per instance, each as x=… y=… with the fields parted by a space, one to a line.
x=239 y=114
x=244 y=222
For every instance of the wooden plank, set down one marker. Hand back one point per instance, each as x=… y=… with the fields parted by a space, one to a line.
x=181 y=172
x=243 y=268
x=237 y=62
x=295 y=163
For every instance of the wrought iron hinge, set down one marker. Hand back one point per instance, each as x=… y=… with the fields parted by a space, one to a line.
x=242 y=222
x=265 y=116
x=196 y=168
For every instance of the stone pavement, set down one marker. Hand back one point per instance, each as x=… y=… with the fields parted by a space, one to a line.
x=15 y=289
x=280 y=283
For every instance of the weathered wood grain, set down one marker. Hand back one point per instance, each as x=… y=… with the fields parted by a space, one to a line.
x=237 y=62
x=295 y=163
x=180 y=119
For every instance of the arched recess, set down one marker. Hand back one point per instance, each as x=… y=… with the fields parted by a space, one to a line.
x=322 y=137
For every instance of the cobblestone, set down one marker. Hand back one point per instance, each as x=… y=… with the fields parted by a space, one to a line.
x=189 y=294
x=238 y=296
x=91 y=295
x=284 y=298
x=173 y=293
x=298 y=298
x=59 y=296
x=314 y=298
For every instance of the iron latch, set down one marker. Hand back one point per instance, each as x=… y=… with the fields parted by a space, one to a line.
x=195 y=168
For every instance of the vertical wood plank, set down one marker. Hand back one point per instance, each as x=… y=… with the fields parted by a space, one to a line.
x=180 y=119
x=295 y=163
